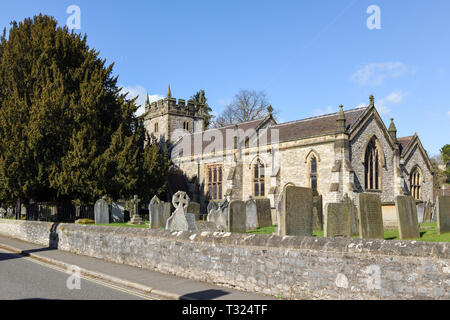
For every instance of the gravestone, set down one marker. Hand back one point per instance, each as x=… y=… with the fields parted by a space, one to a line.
x=408 y=223
x=296 y=216
x=180 y=220
x=3 y=213
x=264 y=213
x=434 y=214
x=337 y=220
x=443 y=214
x=218 y=217
x=428 y=211
x=370 y=216
x=251 y=215
x=318 y=213
x=101 y=212
x=211 y=206
x=155 y=213
x=236 y=219
x=420 y=209
x=194 y=208
x=223 y=206
x=135 y=216
x=118 y=212
x=166 y=209
x=353 y=215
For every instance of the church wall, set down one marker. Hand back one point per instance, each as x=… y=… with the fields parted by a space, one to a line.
x=357 y=150
x=416 y=158
x=294 y=166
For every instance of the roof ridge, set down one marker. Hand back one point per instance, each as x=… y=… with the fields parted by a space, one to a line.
x=321 y=116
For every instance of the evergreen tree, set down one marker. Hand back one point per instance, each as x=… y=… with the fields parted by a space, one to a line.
x=66 y=130
x=200 y=99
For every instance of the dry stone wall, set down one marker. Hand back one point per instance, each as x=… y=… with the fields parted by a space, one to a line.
x=293 y=267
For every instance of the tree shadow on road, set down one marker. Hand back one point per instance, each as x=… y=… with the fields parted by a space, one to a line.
x=204 y=295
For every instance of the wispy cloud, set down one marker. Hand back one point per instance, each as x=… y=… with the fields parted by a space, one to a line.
x=375 y=73
x=396 y=97
x=140 y=92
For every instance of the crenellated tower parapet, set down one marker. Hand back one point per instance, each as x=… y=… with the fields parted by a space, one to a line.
x=167 y=119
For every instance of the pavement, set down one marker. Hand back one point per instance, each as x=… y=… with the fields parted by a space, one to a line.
x=130 y=282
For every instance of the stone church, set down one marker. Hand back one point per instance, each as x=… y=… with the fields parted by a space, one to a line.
x=338 y=154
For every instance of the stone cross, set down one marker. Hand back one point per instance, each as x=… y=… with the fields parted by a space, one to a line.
x=136 y=218
x=180 y=219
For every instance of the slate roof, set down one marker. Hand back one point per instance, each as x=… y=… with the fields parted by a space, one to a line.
x=404 y=142
x=316 y=126
x=295 y=130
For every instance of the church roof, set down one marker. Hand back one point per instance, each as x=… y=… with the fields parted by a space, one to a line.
x=294 y=130
x=316 y=126
x=405 y=141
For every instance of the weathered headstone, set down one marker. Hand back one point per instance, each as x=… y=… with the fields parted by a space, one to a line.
x=211 y=206
x=443 y=214
x=420 y=209
x=264 y=212
x=101 y=212
x=218 y=217
x=296 y=216
x=155 y=213
x=318 y=213
x=3 y=212
x=223 y=206
x=370 y=216
x=353 y=215
x=251 y=215
x=337 y=220
x=236 y=219
x=135 y=216
x=408 y=224
x=194 y=208
x=428 y=211
x=118 y=212
x=166 y=208
x=180 y=220
x=434 y=213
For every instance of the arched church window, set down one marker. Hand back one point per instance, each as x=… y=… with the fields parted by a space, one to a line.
x=372 y=166
x=313 y=173
x=259 y=189
x=416 y=183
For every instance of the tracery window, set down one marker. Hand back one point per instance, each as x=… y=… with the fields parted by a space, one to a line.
x=372 y=166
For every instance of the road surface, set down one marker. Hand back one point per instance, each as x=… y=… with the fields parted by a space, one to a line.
x=27 y=278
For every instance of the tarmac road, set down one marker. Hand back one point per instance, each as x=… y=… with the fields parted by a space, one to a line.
x=25 y=278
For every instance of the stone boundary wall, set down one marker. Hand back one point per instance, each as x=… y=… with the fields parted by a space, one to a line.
x=292 y=267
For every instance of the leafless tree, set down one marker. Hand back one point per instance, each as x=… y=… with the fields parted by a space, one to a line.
x=247 y=105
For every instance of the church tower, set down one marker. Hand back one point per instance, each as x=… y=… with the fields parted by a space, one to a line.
x=168 y=120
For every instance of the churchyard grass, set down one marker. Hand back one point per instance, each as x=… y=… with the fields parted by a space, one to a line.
x=428 y=233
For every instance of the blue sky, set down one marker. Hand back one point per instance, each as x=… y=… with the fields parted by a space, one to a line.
x=309 y=56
